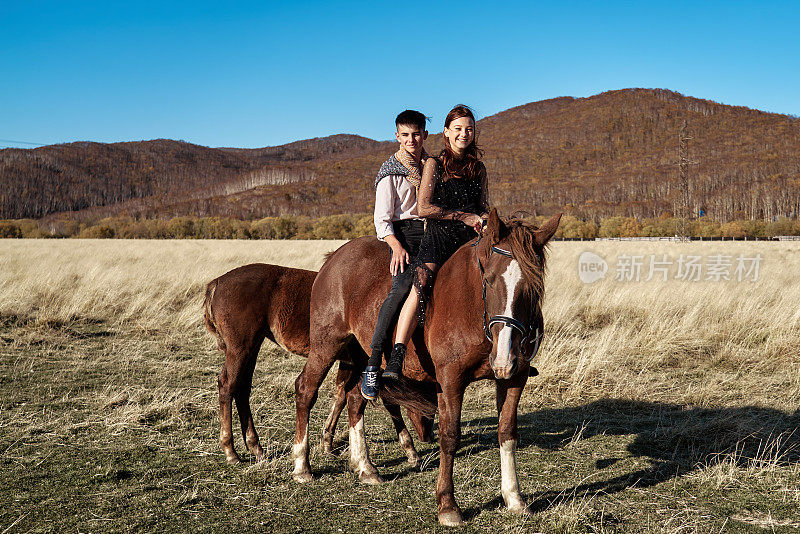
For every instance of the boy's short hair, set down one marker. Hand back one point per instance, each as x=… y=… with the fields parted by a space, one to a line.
x=411 y=117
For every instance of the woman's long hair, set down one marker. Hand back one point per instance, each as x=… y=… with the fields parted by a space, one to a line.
x=467 y=165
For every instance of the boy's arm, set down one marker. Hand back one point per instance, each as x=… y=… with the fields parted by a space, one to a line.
x=384 y=211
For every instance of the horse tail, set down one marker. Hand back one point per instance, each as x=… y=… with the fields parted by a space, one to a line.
x=416 y=396
x=208 y=313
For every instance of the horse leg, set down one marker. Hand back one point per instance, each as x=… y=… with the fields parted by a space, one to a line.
x=423 y=425
x=450 y=401
x=508 y=395
x=235 y=382
x=225 y=414
x=242 y=396
x=339 y=400
x=403 y=435
x=360 y=463
x=306 y=389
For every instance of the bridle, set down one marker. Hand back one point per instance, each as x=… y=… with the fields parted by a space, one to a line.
x=527 y=331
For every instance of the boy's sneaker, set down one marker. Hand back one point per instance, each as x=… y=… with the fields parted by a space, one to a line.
x=369 y=382
x=394 y=369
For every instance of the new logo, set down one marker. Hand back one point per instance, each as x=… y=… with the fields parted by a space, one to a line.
x=591 y=267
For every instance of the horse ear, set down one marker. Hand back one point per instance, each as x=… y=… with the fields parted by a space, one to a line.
x=493 y=226
x=545 y=233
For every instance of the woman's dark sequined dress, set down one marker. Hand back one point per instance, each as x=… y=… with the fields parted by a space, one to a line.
x=443 y=237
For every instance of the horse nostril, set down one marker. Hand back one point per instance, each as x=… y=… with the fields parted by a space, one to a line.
x=504 y=373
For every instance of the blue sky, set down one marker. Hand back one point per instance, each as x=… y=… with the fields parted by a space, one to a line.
x=261 y=74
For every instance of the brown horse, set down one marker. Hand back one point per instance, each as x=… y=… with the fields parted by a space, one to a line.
x=483 y=322
x=258 y=301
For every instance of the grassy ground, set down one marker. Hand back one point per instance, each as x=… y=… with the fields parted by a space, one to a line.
x=661 y=406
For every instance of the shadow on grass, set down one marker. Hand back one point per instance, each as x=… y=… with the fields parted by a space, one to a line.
x=675 y=439
x=77 y=328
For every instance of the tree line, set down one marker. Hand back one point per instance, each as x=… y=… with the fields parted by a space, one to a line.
x=357 y=225
x=613 y=154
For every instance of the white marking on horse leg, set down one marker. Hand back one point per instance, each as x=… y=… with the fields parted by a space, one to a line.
x=509 y=485
x=407 y=444
x=329 y=429
x=358 y=447
x=333 y=416
x=253 y=443
x=226 y=441
x=302 y=469
x=359 y=456
x=504 y=361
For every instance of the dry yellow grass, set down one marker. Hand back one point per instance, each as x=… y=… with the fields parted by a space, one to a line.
x=656 y=339
x=145 y=284
x=661 y=406
x=641 y=340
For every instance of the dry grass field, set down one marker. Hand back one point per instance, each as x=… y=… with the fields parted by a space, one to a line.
x=662 y=406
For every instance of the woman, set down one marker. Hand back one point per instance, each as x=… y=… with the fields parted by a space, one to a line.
x=453 y=198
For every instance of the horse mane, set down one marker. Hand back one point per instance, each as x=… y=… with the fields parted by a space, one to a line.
x=530 y=256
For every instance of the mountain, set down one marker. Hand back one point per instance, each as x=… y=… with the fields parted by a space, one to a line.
x=616 y=153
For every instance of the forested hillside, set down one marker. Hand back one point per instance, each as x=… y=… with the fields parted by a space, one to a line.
x=75 y=176
x=613 y=154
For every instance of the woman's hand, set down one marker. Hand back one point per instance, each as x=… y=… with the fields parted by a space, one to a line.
x=475 y=221
x=484 y=222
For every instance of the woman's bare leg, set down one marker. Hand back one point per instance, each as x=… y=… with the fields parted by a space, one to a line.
x=409 y=313
x=408 y=318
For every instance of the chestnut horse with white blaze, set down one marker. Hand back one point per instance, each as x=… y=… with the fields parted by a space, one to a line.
x=257 y=301
x=483 y=321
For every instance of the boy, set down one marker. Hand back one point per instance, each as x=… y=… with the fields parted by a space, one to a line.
x=397 y=223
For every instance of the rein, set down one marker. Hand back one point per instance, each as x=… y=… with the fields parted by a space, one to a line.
x=528 y=331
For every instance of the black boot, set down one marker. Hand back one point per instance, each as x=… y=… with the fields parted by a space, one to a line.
x=394 y=369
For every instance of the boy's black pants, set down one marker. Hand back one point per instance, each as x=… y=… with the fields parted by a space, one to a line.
x=409 y=233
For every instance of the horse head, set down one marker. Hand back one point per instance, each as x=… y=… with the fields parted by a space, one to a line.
x=511 y=257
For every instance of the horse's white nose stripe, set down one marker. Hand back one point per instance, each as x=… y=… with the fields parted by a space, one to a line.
x=503 y=347
x=511 y=277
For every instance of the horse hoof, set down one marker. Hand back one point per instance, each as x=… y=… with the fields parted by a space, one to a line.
x=259 y=454
x=302 y=478
x=414 y=460
x=520 y=510
x=327 y=448
x=451 y=519
x=233 y=460
x=370 y=478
